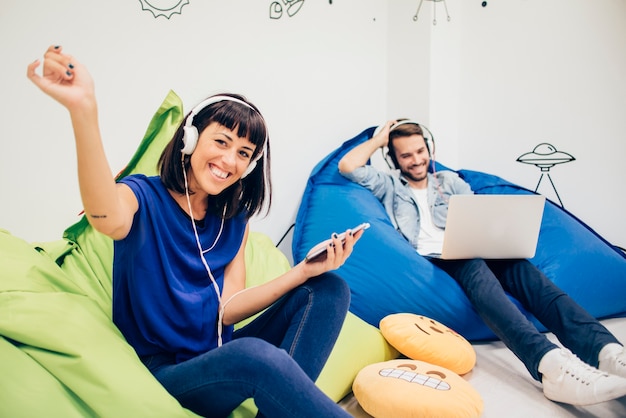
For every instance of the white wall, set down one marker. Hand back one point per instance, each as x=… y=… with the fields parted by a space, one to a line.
x=317 y=76
x=514 y=74
x=491 y=84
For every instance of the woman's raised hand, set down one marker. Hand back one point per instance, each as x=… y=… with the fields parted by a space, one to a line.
x=63 y=78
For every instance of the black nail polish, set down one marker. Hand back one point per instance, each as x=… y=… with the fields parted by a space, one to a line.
x=57 y=46
x=68 y=73
x=71 y=66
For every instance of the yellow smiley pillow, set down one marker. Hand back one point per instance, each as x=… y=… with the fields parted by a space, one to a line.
x=422 y=338
x=412 y=388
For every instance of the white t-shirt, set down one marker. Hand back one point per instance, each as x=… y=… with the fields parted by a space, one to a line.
x=430 y=240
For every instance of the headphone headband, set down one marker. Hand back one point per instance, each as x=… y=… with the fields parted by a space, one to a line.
x=209 y=102
x=405 y=122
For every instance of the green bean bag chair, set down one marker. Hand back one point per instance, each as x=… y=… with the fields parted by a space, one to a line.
x=61 y=354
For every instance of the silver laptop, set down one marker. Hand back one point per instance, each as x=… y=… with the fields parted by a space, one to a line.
x=492 y=226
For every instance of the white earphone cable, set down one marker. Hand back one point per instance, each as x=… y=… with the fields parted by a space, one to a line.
x=220 y=321
x=204 y=262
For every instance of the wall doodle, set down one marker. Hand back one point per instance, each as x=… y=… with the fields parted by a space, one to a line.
x=164 y=8
x=293 y=6
x=434 y=10
x=545 y=156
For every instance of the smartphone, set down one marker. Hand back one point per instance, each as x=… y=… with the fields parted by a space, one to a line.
x=321 y=248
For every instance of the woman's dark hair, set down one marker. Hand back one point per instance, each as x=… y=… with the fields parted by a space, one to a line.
x=405 y=129
x=250 y=192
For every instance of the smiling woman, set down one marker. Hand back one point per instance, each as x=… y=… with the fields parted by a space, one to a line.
x=232 y=148
x=178 y=314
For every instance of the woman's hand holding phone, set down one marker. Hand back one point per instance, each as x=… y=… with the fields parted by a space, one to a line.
x=320 y=249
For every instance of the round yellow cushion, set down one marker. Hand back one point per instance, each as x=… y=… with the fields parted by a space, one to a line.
x=412 y=388
x=422 y=338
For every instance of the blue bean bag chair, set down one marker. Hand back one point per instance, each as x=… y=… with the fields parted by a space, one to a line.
x=387 y=276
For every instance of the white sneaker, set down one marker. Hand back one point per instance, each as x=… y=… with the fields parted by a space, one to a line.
x=613 y=359
x=568 y=379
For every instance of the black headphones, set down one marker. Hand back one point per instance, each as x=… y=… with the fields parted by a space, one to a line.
x=429 y=140
x=191 y=135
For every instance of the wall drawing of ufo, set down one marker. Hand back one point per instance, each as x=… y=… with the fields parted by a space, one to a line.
x=545 y=156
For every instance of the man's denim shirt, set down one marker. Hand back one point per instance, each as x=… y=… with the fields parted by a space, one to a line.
x=399 y=202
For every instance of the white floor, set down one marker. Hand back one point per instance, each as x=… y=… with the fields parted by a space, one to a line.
x=509 y=391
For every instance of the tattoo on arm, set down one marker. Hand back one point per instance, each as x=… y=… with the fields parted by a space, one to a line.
x=98 y=216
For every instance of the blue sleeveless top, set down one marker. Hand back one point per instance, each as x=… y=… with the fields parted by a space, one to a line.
x=163 y=298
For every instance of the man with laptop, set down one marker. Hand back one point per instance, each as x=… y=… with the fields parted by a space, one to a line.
x=424 y=207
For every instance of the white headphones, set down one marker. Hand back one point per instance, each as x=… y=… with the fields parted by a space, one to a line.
x=191 y=135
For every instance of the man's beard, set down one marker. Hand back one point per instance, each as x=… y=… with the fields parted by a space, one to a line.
x=412 y=177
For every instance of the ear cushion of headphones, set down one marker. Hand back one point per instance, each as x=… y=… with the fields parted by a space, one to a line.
x=190 y=139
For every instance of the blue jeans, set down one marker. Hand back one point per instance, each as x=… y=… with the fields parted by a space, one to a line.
x=275 y=359
x=485 y=283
